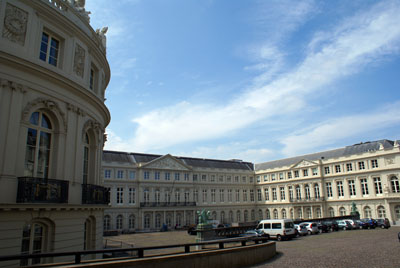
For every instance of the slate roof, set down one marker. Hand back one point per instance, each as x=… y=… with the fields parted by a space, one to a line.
x=336 y=153
x=135 y=158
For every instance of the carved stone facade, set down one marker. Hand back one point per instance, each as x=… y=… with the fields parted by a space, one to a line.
x=79 y=60
x=15 y=24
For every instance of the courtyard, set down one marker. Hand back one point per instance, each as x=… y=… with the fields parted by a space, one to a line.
x=356 y=248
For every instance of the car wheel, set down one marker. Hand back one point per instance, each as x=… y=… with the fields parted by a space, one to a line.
x=309 y=232
x=344 y=228
x=382 y=226
x=279 y=238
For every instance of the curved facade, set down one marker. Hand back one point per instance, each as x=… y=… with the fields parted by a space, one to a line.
x=53 y=74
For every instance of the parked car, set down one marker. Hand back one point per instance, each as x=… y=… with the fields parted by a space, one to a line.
x=363 y=224
x=252 y=233
x=332 y=225
x=301 y=230
x=279 y=229
x=312 y=227
x=372 y=223
x=354 y=224
x=344 y=225
x=322 y=227
x=383 y=223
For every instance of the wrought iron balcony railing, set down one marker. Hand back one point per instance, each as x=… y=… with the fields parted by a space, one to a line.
x=40 y=190
x=167 y=204
x=95 y=194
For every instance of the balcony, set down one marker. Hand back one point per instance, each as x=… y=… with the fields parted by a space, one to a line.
x=167 y=204
x=40 y=190
x=94 y=194
x=301 y=200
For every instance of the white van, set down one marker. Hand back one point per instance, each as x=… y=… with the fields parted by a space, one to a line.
x=279 y=229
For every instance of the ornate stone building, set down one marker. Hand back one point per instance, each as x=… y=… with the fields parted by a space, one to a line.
x=149 y=190
x=53 y=74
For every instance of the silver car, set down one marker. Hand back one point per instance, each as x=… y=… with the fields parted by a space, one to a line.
x=301 y=230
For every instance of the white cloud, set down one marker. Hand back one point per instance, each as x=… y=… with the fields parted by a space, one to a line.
x=334 y=54
x=337 y=129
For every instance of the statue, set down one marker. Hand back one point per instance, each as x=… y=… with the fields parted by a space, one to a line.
x=354 y=210
x=102 y=35
x=203 y=216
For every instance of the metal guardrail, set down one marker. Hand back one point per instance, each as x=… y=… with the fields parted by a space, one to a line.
x=95 y=194
x=42 y=190
x=139 y=251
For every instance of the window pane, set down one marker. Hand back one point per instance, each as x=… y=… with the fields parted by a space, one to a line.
x=46 y=122
x=34 y=120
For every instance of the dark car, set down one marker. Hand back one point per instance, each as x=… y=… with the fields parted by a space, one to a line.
x=383 y=223
x=332 y=225
x=372 y=223
x=345 y=225
x=363 y=224
x=322 y=227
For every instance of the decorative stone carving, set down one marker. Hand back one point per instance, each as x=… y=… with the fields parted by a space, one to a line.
x=12 y=85
x=44 y=103
x=305 y=163
x=166 y=163
x=15 y=24
x=79 y=60
x=102 y=35
x=389 y=160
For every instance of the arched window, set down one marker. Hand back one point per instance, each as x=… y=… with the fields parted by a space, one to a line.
x=107 y=221
x=36 y=238
x=342 y=211
x=316 y=191
x=178 y=219
x=307 y=190
x=318 y=212
x=89 y=235
x=38 y=146
x=291 y=213
x=284 y=216
x=214 y=215
x=147 y=221
x=119 y=222
x=331 y=212
x=309 y=214
x=230 y=216
x=367 y=212
x=381 y=212
x=238 y=216
x=246 y=216
x=85 y=172
x=298 y=192
x=253 y=215
x=276 y=216
x=222 y=216
x=131 y=222
x=394 y=181
x=267 y=214
x=260 y=214
x=300 y=213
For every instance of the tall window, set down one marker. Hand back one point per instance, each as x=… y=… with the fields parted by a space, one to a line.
x=361 y=165
x=364 y=186
x=131 y=196
x=374 y=163
x=204 y=196
x=342 y=211
x=276 y=216
x=157 y=196
x=167 y=176
x=251 y=195
x=238 y=216
x=267 y=214
x=329 y=189
x=305 y=172
x=307 y=190
x=120 y=174
x=274 y=196
x=196 y=195
x=131 y=223
x=244 y=195
x=120 y=195
x=156 y=175
x=106 y=223
x=33 y=241
x=315 y=171
x=394 y=181
x=85 y=159
x=177 y=195
x=229 y=195
x=119 y=222
x=282 y=189
x=221 y=195
x=352 y=188
x=340 y=188
x=381 y=212
x=266 y=192
x=367 y=212
x=296 y=173
x=378 y=185
x=49 y=49
x=107 y=173
x=349 y=167
x=331 y=212
x=237 y=195
x=284 y=216
x=146 y=175
x=298 y=192
x=37 y=156
x=316 y=191
x=289 y=175
x=259 y=195
x=337 y=168
x=213 y=195
x=326 y=169
x=146 y=195
x=290 y=193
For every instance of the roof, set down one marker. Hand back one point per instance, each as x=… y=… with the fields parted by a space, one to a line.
x=336 y=153
x=133 y=158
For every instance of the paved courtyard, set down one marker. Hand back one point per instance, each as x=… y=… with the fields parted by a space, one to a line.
x=358 y=248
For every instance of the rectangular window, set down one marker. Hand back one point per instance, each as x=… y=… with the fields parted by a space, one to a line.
x=131 y=196
x=196 y=195
x=146 y=175
x=195 y=177
x=107 y=173
x=251 y=179
x=374 y=163
x=120 y=174
x=204 y=177
x=315 y=171
x=220 y=178
x=352 y=188
x=364 y=186
x=281 y=176
x=244 y=179
x=259 y=196
x=167 y=176
x=212 y=178
x=378 y=185
x=258 y=178
x=290 y=193
x=236 y=178
x=282 y=189
x=228 y=178
x=49 y=49
x=177 y=176
x=237 y=195
x=213 y=195
x=204 y=195
x=361 y=165
x=305 y=172
x=156 y=175
x=349 y=167
x=266 y=192
x=329 y=189
x=289 y=175
x=120 y=195
x=244 y=195
x=327 y=171
x=296 y=173
x=272 y=177
x=252 y=195
x=337 y=169
x=340 y=188
x=274 y=195
x=229 y=195
x=132 y=175
x=265 y=177
x=221 y=195
x=186 y=176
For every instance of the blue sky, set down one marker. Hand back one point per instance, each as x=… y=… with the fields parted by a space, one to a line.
x=252 y=80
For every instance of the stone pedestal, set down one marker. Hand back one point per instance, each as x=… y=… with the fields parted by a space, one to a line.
x=205 y=232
